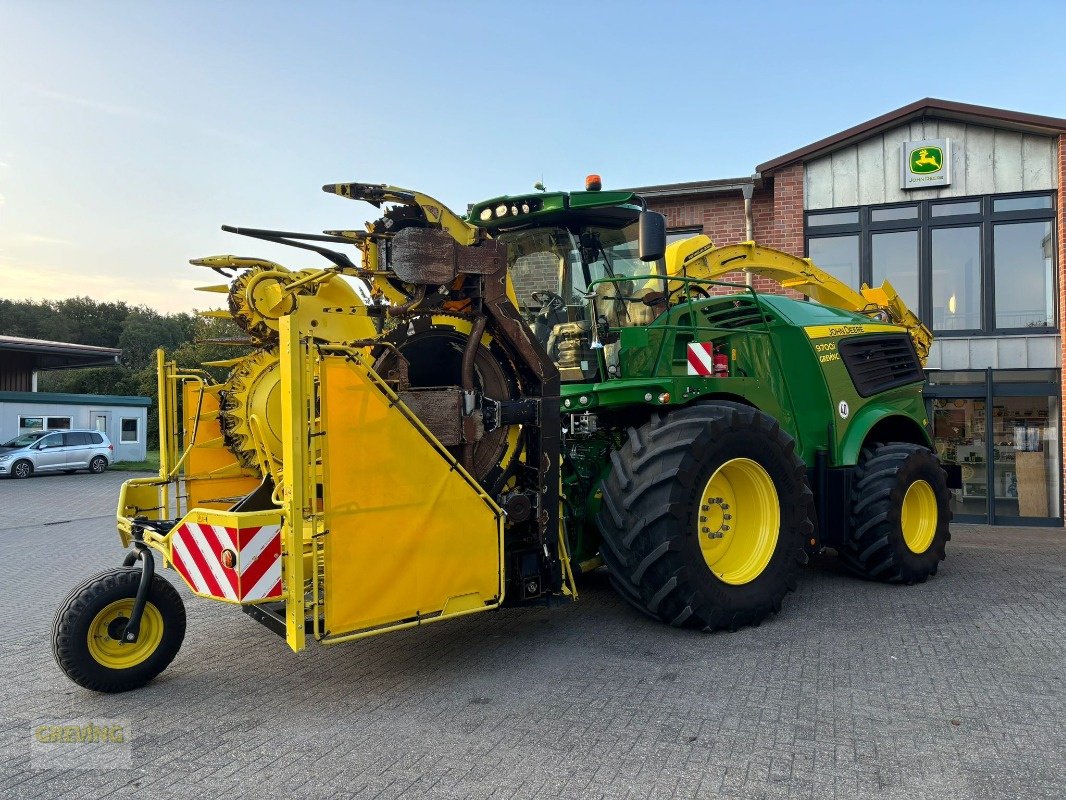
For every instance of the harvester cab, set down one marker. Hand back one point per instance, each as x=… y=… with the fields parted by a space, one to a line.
x=573 y=259
x=469 y=412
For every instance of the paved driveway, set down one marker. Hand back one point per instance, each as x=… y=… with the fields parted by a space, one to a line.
x=952 y=689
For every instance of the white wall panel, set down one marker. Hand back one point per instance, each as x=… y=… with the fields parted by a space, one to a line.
x=984 y=161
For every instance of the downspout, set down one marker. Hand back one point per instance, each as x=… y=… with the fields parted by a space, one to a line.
x=749 y=220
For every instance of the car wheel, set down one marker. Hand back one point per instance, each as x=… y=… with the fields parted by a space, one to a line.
x=97 y=465
x=22 y=469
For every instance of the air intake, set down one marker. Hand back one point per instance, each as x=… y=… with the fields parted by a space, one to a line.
x=879 y=363
x=733 y=313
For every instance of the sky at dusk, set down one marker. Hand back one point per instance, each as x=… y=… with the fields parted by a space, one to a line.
x=130 y=131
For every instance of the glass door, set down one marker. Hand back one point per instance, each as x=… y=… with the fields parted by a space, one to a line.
x=1026 y=469
x=959 y=438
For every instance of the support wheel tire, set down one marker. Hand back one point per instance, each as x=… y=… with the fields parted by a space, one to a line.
x=84 y=635
x=704 y=516
x=899 y=514
x=21 y=469
x=97 y=465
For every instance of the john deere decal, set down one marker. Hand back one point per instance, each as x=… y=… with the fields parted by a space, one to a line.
x=925 y=164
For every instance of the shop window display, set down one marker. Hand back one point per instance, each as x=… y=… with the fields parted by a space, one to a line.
x=1024 y=471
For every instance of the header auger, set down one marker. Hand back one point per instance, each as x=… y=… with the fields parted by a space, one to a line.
x=466 y=413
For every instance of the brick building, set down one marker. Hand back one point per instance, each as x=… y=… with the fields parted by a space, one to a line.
x=961 y=207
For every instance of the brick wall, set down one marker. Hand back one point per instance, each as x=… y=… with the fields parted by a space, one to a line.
x=786 y=231
x=1060 y=227
x=777 y=213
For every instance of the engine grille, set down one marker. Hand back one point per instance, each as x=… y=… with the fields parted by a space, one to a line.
x=739 y=312
x=879 y=363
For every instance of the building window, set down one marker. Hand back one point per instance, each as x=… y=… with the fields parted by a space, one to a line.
x=58 y=423
x=978 y=265
x=894 y=258
x=955 y=258
x=833 y=218
x=130 y=433
x=890 y=213
x=837 y=255
x=29 y=424
x=1024 y=255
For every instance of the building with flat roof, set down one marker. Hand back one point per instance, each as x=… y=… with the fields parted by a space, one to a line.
x=961 y=207
x=24 y=409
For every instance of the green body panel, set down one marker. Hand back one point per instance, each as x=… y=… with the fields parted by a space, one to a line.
x=550 y=207
x=774 y=365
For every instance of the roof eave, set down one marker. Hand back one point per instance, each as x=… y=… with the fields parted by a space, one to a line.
x=695 y=188
x=929 y=106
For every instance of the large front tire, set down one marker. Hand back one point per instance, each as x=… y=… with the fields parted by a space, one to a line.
x=899 y=514
x=704 y=516
x=85 y=636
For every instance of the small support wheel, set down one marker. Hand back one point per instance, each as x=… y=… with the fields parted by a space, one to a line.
x=87 y=636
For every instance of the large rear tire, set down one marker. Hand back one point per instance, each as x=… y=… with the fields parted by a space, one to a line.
x=704 y=516
x=86 y=634
x=899 y=514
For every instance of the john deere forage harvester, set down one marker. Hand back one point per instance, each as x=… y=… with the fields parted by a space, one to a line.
x=476 y=410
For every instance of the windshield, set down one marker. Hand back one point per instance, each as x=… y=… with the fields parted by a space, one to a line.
x=564 y=261
x=23 y=440
x=552 y=269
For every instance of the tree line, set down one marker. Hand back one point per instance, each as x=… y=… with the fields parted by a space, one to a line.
x=135 y=329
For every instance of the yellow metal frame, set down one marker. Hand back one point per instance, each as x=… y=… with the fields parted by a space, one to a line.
x=697 y=257
x=309 y=523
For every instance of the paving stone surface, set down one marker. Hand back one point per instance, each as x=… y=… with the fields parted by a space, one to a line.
x=951 y=689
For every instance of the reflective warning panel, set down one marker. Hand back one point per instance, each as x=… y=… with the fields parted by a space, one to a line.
x=223 y=556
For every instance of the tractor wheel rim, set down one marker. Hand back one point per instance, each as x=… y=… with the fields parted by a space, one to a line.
x=739 y=521
x=112 y=653
x=918 y=516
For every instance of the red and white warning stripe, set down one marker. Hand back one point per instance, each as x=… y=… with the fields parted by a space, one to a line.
x=196 y=551
x=259 y=561
x=701 y=359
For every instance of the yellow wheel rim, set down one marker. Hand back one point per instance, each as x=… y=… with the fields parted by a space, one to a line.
x=918 y=517
x=108 y=651
x=739 y=521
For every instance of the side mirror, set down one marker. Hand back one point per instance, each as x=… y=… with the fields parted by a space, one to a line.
x=652 y=231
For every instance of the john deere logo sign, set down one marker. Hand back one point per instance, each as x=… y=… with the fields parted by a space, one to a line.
x=925 y=164
x=926 y=160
